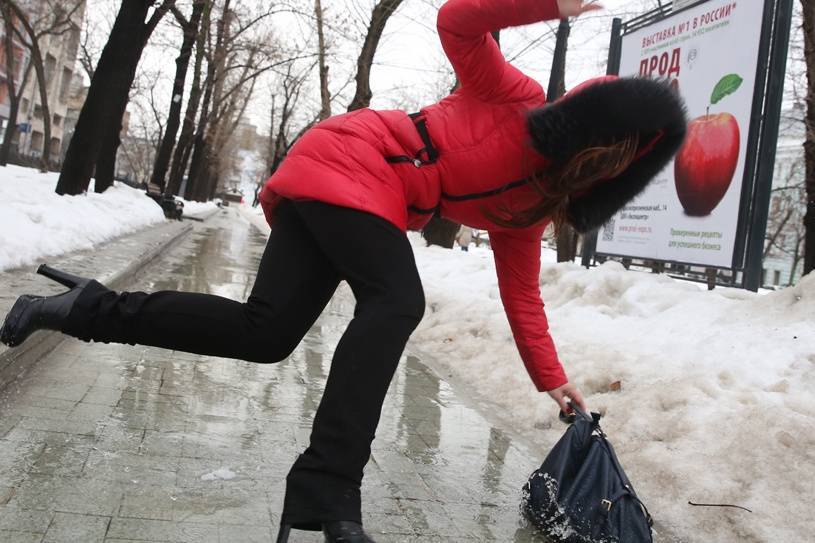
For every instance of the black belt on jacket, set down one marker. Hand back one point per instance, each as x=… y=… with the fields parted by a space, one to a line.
x=432 y=154
x=429 y=150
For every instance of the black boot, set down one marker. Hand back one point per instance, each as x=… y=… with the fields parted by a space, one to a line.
x=31 y=313
x=341 y=531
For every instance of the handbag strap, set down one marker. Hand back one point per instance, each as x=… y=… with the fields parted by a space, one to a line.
x=592 y=418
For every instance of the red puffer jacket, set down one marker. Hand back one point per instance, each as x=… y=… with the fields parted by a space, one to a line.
x=484 y=156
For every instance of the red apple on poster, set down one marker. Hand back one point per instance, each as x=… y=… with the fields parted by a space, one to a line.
x=705 y=164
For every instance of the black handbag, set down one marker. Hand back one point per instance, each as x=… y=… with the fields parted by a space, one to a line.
x=581 y=493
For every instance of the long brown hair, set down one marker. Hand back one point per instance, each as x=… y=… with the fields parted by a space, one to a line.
x=558 y=183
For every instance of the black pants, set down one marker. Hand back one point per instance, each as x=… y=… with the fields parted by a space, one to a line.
x=311 y=248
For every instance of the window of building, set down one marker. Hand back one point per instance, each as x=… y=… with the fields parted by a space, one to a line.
x=65 y=84
x=50 y=68
x=24 y=105
x=37 y=111
x=57 y=120
x=776 y=277
x=36 y=143
x=73 y=42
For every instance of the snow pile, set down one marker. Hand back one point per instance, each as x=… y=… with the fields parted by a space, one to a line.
x=35 y=222
x=716 y=402
x=197 y=208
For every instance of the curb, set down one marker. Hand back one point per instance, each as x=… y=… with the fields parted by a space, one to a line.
x=14 y=363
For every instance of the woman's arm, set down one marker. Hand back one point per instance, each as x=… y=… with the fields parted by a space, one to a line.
x=464 y=29
x=517 y=263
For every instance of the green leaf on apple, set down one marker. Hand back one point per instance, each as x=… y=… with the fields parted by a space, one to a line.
x=727 y=85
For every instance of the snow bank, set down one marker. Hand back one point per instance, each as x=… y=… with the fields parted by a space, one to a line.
x=716 y=403
x=197 y=208
x=35 y=222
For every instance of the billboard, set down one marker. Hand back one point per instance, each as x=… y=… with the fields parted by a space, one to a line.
x=690 y=211
x=679 y=4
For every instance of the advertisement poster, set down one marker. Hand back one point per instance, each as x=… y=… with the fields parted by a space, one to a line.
x=689 y=212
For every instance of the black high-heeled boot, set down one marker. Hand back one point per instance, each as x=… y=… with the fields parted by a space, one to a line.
x=31 y=313
x=341 y=531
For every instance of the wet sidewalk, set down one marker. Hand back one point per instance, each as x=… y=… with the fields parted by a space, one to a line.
x=119 y=443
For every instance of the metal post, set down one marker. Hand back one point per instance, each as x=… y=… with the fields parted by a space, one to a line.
x=612 y=68
x=750 y=177
x=769 y=139
x=559 y=60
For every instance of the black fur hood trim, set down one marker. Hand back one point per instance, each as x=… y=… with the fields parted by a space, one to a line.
x=602 y=114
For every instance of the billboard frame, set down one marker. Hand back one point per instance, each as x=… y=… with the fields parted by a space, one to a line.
x=765 y=113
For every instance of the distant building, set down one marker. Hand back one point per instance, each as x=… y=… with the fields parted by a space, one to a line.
x=76 y=99
x=245 y=163
x=59 y=54
x=21 y=59
x=783 y=264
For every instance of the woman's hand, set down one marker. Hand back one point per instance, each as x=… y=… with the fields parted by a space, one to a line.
x=573 y=8
x=564 y=393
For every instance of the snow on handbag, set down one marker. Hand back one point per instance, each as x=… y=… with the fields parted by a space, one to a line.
x=581 y=494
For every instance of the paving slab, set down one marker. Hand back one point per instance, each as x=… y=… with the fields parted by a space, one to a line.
x=121 y=443
x=113 y=262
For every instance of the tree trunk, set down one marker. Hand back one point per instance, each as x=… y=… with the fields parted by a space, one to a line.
x=111 y=83
x=796 y=257
x=106 y=165
x=214 y=81
x=183 y=148
x=182 y=64
x=566 y=237
x=809 y=143
x=194 y=178
x=441 y=232
x=39 y=69
x=566 y=241
x=325 y=96
x=382 y=11
x=13 y=96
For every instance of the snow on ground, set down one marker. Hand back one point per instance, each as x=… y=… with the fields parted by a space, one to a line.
x=35 y=222
x=255 y=216
x=221 y=473
x=197 y=208
x=716 y=404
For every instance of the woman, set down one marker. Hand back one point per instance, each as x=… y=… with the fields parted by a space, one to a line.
x=492 y=156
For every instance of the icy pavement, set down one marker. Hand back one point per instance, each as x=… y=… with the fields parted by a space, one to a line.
x=112 y=443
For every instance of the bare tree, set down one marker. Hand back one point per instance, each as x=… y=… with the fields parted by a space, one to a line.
x=379 y=17
x=325 y=96
x=190 y=30
x=215 y=65
x=242 y=52
x=183 y=148
x=15 y=91
x=55 y=19
x=96 y=135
